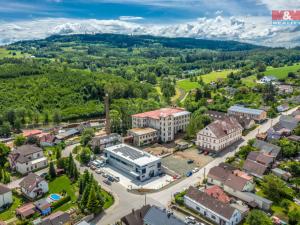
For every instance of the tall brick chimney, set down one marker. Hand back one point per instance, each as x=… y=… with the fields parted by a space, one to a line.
x=107 y=119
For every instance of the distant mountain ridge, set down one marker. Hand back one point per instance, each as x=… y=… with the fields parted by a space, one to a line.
x=123 y=40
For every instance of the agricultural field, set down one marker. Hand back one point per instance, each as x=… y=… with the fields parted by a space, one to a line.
x=4 y=53
x=188 y=85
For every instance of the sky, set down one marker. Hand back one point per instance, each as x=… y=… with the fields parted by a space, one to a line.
x=240 y=20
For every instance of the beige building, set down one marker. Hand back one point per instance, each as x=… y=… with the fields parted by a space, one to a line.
x=256 y=114
x=143 y=136
x=219 y=134
x=167 y=121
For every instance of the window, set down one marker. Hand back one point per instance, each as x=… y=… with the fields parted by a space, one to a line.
x=213 y=217
x=197 y=208
x=159 y=165
x=144 y=170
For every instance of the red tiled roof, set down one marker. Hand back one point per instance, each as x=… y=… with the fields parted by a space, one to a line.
x=216 y=192
x=27 y=133
x=156 y=114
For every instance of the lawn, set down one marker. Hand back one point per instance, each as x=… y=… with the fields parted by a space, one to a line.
x=188 y=85
x=282 y=72
x=6 y=53
x=249 y=81
x=60 y=184
x=10 y=212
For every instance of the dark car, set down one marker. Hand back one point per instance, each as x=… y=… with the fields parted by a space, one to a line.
x=190 y=161
x=190 y=173
x=106 y=181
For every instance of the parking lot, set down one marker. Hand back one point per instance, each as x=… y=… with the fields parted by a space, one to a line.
x=129 y=183
x=178 y=162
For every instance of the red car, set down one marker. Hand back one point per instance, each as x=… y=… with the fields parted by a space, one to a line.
x=206 y=153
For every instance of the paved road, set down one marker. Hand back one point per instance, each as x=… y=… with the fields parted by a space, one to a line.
x=126 y=201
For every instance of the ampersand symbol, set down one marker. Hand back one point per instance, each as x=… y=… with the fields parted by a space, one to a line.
x=286 y=15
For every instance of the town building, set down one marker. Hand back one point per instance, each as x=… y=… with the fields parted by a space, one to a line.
x=282 y=108
x=281 y=173
x=167 y=121
x=105 y=140
x=5 y=196
x=211 y=208
x=246 y=122
x=33 y=186
x=64 y=135
x=285 y=126
x=256 y=114
x=27 y=158
x=136 y=163
x=268 y=148
x=150 y=215
x=219 y=134
x=218 y=193
x=143 y=136
x=254 y=168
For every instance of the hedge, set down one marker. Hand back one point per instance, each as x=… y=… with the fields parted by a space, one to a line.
x=60 y=202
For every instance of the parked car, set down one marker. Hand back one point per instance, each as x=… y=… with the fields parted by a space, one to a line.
x=190 y=220
x=44 y=175
x=104 y=175
x=206 y=153
x=189 y=173
x=195 y=170
x=110 y=178
x=99 y=171
x=200 y=151
x=93 y=167
x=117 y=179
x=190 y=161
x=210 y=154
x=106 y=181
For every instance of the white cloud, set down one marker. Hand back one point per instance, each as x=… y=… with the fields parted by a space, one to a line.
x=280 y=4
x=257 y=30
x=130 y=18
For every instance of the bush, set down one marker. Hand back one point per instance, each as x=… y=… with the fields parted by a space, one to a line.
x=60 y=202
x=179 y=198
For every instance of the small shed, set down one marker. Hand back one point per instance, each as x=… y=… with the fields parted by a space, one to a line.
x=26 y=210
x=43 y=206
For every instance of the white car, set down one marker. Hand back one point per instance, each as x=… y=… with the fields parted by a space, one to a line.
x=190 y=220
x=195 y=170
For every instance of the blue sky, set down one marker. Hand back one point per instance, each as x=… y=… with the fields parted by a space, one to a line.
x=241 y=20
x=151 y=10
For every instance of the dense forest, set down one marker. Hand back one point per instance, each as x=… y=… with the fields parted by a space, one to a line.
x=65 y=77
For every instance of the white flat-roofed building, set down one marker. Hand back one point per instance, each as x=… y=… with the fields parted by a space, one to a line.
x=135 y=162
x=143 y=136
x=167 y=121
x=255 y=114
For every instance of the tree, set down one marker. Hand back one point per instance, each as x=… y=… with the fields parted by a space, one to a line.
x=288 y=148
x=258 y=217
x=87 y=136
x=92 y=203
x=58 y=153
x=294 y=217
x=197 y=122
x=4 y=151
x=85 y=155
x=19 y=140
x=276 y=189
x=33 y=140
x=52 y=172
x=57 y=117
x=115 y=121
x=5 y=129
x=46 y=118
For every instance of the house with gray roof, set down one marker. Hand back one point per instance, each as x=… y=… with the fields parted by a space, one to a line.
x=267 y=148
x=27 y=158
x=5 y=196
x=256 y=114
x=33 y=186
x=284 y=127
x=211 y=208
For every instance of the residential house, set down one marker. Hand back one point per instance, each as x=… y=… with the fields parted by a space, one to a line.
x=282 y=108
x=261 y=158
x=33 y=186
x=26 y=210
x=150 y=215
x=219 y=134
x=57 y=218
x=281 y=173
x=256 y=114
x=143 y=136
x=27 y=158
x=254 y=168
x=43 y=206
x=211 y=208
x=238 y=184
x=285 y=89
x=5 y=196
x=267 y=79
x=105 y=140
x=47 y=140
x=267 y=148
x=30 y=133
x=284 y=127
x=167 y=121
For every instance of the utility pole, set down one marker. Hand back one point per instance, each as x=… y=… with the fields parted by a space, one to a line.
x=145 y=199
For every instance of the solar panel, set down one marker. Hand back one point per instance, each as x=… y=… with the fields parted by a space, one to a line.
x=129 y=152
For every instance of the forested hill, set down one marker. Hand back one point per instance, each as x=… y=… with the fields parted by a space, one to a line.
x=125 y=41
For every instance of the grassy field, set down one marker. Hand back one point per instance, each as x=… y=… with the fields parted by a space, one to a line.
x=10 y=212
x=187 y=85
x=109 y=200
x=249 y=81
x=282 y=72
x=6 y=53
